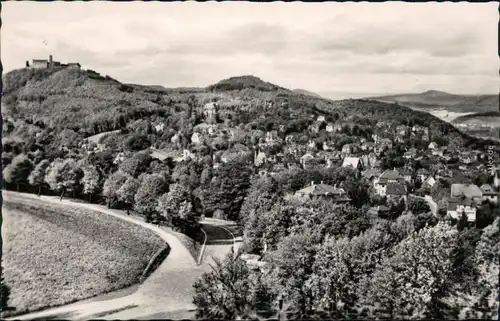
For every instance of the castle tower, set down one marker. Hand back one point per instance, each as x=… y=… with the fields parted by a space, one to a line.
x=51 y=62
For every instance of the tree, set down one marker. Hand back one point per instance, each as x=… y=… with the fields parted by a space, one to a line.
x=177 y=206
x=413 y=282
x=4 y=294
x=486 y=259
x=90 y=181
x=291 y=265
x=112 y=185
x=64 y=175
x=136 y=142
x=18 y=171
x=152 y=186
x=256 y=211
x=37 y=176
x=228 y=190
x=126 y=193
x=418 y=205
x=136 y=165
x=229 y=292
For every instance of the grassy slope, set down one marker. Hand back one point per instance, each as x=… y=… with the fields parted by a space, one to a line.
x=54 y=256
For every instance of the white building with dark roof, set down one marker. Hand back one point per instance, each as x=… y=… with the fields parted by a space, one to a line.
x=462 y=205
x=323 y=191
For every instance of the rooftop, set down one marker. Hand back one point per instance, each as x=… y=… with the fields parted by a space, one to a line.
x=469 y=190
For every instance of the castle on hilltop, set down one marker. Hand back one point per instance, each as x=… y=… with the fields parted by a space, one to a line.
x=50 y=63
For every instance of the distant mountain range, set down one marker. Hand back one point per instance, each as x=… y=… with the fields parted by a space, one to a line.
x=478 y=115
x=439 y=100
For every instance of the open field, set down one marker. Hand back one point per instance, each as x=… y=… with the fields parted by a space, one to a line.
x=53 y=256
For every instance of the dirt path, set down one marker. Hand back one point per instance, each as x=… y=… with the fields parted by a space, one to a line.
x=167 y=292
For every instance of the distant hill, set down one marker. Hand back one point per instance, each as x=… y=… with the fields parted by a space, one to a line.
x=244 y=82
x=307 y=93
x=439 y=100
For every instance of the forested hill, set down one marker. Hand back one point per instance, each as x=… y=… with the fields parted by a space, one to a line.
x=89 y=103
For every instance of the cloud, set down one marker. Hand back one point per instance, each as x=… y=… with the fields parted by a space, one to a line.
x=362 y=47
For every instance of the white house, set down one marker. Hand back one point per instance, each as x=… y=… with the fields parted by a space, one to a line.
x=429 y=182
x=159 y=127
x=354 y=162
x=196 y=138
x=459 y=206
x=388 y=176
x=432 y=145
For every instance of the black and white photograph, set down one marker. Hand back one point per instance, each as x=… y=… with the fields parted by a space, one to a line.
x=250 y=161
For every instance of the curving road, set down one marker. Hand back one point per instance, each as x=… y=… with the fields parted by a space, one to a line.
x=166 y=293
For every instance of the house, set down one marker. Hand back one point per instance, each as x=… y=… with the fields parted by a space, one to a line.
x=399 y=139
x=368 y=146
x=408 y=175
x=467 y=158
x=260 y=158
x=380 y=210
x=432 y=145
x=354 y=162
x=311 y=144
x=422 y=174
x=401 y=130
x=44 y=63
x=471 y=191
x=320 y=119
x=159 y=127
x=272 y=137
x=489 y=193
x=337 y=128
x=210 y=111
x=347 y=149
x=438 y=152
x=197 y=138
x=429 y=182
x=462 y=205
x=330 y=127
x=326 y=146
x=370 y=160
x=411 y=153
x=459 y=178
x=388 y=176
x=306 y=159
x=371 y=174
x=383 y=124
x=395 y=191
x=420 y=129
x=384 y=143
x=323 y=191
x=40 y=64
x=444 y=173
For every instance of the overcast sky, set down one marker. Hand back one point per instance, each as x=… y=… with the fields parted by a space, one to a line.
x=322 y=47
